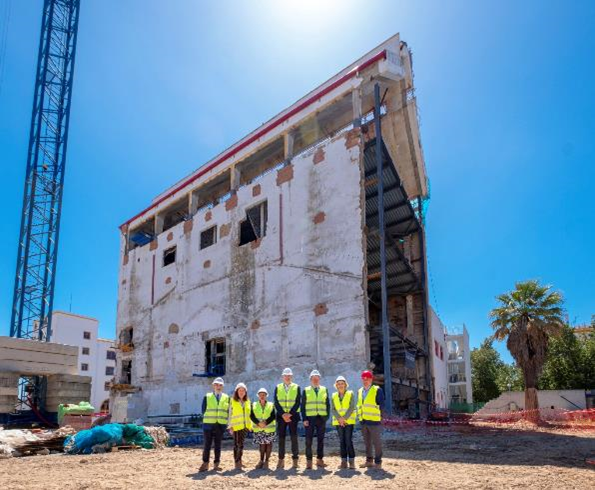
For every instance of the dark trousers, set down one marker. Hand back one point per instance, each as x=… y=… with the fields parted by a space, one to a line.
x=239 y=436
x=316 y=425
x=282 y=427
x=214 y=434
x=373 y=439
x=346 y=441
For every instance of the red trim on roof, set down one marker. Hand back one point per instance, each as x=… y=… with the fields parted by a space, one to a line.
x=354 y=71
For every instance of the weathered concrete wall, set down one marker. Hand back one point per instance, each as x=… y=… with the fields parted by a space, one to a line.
x=295 y=298
x=510 y=401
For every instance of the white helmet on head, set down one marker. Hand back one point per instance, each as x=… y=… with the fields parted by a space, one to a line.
x=341 y=378
x=262 y=390
x=241 y=385
x=218 y=381
x=287 y=372
x=315 y=372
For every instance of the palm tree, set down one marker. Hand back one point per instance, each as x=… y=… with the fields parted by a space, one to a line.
x=526 y=318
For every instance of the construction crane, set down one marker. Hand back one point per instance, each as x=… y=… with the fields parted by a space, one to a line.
x=44 y=179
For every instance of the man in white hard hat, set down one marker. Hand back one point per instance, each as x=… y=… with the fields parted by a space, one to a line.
x=215 y=410
x=316 y=409
x=287 y=398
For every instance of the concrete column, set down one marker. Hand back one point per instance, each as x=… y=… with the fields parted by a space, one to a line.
x=356 y=100
x=409 y=314
x=193 y=203
x=158 y=224
x=235 y=178
x=288 y=144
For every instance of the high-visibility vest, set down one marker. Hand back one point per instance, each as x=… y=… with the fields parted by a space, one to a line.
x=316 y=403
x=287 y=398
x=216 y=411
x=367 y=408
x=342 y=405
x=239 y=417
x=262 y=414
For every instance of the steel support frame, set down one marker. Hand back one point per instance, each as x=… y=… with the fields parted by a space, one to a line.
x=388 y=383
x=44 y=179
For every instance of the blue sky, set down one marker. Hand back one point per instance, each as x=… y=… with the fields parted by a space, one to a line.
x=507 y=104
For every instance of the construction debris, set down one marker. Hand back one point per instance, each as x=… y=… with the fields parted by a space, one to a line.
x=102 y=438
x=28 y=442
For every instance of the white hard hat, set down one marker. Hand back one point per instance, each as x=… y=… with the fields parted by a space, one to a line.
x=287 y=372
x=341 y=378
x=241 y=385
x=315 y=373
x=218 y=381
x=262 y=390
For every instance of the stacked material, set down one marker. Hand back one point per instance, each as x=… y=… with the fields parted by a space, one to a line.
x=27 y=442
x=104 y=437
x=82 y=408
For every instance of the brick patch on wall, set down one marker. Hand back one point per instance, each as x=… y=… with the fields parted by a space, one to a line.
x=318 y=156
x=320 y=309
x=231 y=203
x=319 y=218
x=285 y=174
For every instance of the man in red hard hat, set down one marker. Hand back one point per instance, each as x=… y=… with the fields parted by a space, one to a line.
x=370 y=403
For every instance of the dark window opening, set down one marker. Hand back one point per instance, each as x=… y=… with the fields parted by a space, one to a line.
x=84 y=367
x=216 y=354
x=126 y=372
x=85 y=351
x=126 y=336
x=87 y=335
x=109 y=371
x=208 y=237
x=255 y=224
x=169 y=256
x=111 y=355
x=106 y=385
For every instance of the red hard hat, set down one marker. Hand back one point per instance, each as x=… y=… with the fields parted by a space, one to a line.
x=367 y=374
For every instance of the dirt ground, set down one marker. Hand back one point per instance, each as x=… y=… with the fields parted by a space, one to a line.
x=445 y=458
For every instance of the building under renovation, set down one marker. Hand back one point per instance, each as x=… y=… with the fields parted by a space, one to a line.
x=279 y=251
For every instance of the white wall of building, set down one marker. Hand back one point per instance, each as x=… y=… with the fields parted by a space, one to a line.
x=439 y=360
x=459 y=367
x=82 y=331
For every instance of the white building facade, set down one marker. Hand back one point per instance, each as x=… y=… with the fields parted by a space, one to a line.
x=459 y=366
x=97 y=357
x=439 y=361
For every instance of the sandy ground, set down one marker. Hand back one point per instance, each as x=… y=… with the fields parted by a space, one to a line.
x=432 y=458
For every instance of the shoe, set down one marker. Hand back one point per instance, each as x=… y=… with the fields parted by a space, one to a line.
x=203 y=467
x=294 y=463
x=238 y=466
x=281 y=464
x=320 y=463
x=259 y=466
x=378 y=466
x=352 y=464
x=367 y=464
x=343 y=464
x=217 y=467
x=308 y=464
x=265 y=465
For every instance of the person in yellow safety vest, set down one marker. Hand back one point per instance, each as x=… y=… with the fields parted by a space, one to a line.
x=343 y=410
x=263 y=417
x=215 y=409
x=239 y=421
x=370 y=403
x=316 y=410
x=287 y=398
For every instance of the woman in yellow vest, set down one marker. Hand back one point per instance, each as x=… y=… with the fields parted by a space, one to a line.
x=239 y=421
x=263 y=419
x=343 y=410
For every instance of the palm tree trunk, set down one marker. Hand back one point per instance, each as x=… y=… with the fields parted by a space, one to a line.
x=531 y=400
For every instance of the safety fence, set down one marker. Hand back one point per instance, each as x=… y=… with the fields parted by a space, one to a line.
x=552 y=418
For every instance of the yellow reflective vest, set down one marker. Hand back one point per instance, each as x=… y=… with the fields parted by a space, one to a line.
x=239 y=416
x=316 y=403
x=367 y=409
x=216 y=411
x=262 y=414
x=287 y=398
x=341 y=406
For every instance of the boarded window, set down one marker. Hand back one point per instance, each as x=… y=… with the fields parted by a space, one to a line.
x=169 y=256
x=208 y=237
x=216 y=357
x=255 y=224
